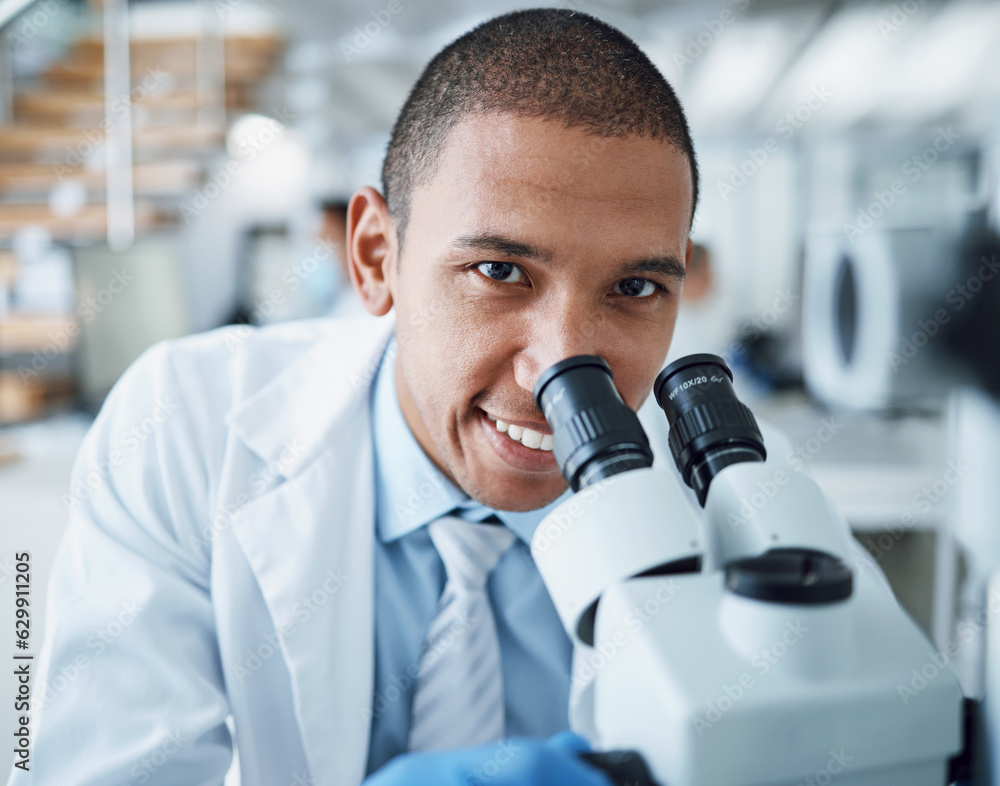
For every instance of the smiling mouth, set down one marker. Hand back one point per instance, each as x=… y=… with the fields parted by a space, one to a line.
x=523 y=436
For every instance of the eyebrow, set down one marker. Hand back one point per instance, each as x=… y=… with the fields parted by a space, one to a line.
x=502 y=245
x=668 y=266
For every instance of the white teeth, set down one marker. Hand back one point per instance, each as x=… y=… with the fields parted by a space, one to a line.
x=531 y=439
x=526 y=436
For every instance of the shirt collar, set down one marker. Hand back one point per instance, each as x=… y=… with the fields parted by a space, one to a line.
x=410 y=490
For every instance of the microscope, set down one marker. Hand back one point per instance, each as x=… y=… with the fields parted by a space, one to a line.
x=752 y=647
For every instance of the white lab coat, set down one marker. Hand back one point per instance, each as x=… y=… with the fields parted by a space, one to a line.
x=225 y=492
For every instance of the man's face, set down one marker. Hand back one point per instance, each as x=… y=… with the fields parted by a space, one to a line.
x=532 y=243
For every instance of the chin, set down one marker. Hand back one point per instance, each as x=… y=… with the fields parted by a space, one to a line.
x=518 y=495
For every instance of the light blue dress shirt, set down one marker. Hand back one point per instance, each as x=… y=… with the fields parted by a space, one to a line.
x=409 y=579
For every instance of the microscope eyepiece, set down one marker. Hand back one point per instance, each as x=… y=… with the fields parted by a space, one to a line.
x=709 y=427
x=594 y=433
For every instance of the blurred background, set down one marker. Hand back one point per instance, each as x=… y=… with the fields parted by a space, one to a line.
x=170 y=167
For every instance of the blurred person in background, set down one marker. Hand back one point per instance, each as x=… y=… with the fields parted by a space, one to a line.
x=333 y=232
x=702 y=324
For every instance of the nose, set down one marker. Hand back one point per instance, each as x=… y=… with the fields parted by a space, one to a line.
x=563 y=331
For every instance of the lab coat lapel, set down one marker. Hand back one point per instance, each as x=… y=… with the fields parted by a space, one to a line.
x=310 y=540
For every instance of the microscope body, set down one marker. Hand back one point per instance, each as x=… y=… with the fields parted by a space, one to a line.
x=754 y=646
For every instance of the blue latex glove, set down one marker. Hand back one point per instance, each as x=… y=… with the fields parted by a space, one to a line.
x=518 y=761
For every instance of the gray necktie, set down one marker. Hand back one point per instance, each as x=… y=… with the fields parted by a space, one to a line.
x=458 y=700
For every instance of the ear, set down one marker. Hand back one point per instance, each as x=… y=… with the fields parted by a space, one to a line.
x=371 y=249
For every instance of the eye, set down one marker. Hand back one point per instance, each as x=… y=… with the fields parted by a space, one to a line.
x=636 y=287
x=501 y=272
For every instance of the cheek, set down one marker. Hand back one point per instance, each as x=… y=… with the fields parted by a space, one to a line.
x=422 y=316
x=445 y=354
x=440 y=321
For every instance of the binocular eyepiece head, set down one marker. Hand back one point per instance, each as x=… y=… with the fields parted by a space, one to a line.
x=596 y=435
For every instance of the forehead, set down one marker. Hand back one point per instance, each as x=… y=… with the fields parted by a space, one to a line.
x=501 y=168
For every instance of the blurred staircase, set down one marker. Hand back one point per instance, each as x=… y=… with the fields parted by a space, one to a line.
x=54 y=152
x=59 y=129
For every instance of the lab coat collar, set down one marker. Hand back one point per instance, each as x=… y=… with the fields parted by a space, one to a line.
x=310 y=544
x=292 y=418
x=309 y=540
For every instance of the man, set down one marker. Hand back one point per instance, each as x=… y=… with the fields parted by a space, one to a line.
x=267 y=549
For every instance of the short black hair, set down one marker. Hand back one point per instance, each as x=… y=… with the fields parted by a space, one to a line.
x=553 y=64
